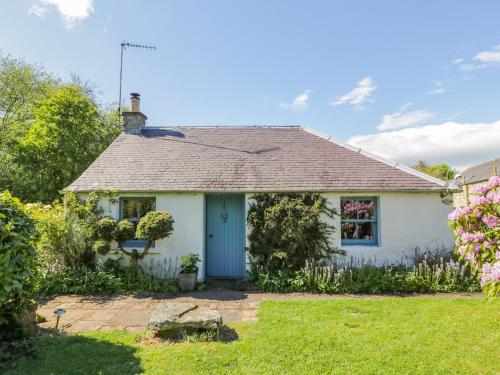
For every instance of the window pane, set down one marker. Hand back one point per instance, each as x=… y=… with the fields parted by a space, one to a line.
x=133 y=209
x=349 y=231
x=366 y=209
x=349 y=209
x=130 y=211
x=146 y=205
x=357 y=231
x=365 y=231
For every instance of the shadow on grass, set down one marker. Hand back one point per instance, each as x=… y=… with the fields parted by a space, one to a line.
x=64 y=354
x=224 y=335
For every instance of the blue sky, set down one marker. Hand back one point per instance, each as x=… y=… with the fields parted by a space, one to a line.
x=407 y=80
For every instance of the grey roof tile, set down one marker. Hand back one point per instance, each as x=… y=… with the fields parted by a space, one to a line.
x=236 y=159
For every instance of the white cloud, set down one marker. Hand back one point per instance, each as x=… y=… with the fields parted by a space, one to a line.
x=438 y=89
x=404 y=118
x=38 y=11
x=482 y=60
x=72 y=11
x=491 y=56
x=356 y=96
x=467 y=67
x=458 y=144
x=300 y=103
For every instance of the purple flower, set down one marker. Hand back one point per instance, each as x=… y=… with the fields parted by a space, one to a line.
x=467 y=237
x=490 y=221
x=494 y=181
x=469 y=256
x=481 y=189
x=494 y=197
x=491 y=273
x=479 y=201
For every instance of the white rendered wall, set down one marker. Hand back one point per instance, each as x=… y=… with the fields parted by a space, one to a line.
x=188 y=211
x=405 y=221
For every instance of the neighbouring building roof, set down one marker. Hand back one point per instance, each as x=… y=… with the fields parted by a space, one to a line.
x=243 y=159
x=480 y=172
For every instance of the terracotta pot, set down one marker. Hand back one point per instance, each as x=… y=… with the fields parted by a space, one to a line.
x=187 y=281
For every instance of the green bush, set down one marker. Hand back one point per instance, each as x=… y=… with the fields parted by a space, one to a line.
x=123 y=231
x=288 y=230
x=68 y=231
x=105 y=228
x=111 y=277
x=18 y=268
x=424 y=277
x=153 y=226
x=189 y=263
x=101 y=247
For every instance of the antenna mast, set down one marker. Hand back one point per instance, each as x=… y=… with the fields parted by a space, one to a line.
x=123 y=46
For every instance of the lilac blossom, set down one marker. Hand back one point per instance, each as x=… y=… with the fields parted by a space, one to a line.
x=490 y=221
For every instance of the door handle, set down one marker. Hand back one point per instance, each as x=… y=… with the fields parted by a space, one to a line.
x=210 y=235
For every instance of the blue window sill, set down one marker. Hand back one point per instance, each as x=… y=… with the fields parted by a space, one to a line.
x=359 y=243
x=137 y=243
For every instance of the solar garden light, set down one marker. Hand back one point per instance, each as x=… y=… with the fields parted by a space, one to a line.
x=58 y=313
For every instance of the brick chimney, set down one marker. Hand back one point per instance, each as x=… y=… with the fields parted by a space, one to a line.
x=134 y=120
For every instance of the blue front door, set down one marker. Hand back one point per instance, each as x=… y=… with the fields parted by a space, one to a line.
x=225 y=235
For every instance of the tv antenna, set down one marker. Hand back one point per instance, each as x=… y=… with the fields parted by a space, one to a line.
x=123 y=46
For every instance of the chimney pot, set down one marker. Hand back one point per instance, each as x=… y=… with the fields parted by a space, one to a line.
x=135 y=102
x=134 y=120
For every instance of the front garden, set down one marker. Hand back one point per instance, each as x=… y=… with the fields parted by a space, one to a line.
x=390 y=335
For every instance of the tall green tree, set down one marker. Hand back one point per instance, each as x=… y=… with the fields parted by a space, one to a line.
x=441 y=171
x=22 y=86
x=67 y=135
x=50 y=131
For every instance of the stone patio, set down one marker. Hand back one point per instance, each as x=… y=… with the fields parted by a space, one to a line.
x=132 y=313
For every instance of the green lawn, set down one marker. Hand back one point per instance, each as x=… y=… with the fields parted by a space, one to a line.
x=390 y=335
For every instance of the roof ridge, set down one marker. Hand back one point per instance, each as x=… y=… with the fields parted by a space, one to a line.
x=492 y=161
x=391 y=163
x=224 y=127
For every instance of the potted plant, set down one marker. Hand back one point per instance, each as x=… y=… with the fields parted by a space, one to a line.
x=189 y=271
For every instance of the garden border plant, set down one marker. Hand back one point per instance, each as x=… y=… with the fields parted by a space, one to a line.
x=18 y=265
x=477 y=231
x=290 y=251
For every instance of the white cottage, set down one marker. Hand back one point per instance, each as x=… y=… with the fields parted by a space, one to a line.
x=205 y=177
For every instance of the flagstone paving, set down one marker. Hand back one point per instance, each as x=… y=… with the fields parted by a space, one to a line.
x=132 y=313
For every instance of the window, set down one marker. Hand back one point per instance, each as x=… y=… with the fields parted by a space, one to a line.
x=132 y=209
x=358 y=221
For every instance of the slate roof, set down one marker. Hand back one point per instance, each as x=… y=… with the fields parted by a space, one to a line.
x=480 y=172
x=243 y=159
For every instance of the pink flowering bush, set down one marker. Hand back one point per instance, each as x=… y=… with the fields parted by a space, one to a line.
x=477 y=234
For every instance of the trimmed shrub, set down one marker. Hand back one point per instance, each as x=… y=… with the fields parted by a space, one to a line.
x=289 y=229
x=153 y=226
x=18 y=265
